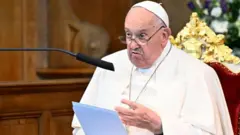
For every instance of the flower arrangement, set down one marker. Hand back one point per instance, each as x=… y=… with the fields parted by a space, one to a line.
x=222 y=16
x=200 y=41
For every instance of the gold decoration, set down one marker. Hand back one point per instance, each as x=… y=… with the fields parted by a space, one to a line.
x=197 y=39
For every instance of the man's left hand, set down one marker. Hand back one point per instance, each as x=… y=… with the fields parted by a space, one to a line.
x=139 y=116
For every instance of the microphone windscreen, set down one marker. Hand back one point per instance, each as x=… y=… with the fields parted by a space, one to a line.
x=96 y=62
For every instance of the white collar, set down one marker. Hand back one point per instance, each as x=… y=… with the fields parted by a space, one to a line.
x=159 y=59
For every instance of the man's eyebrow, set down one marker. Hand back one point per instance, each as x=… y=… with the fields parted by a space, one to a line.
x=126 y=29
x=141 y=30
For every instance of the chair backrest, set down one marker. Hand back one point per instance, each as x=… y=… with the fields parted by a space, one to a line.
x=198 y=40
x=230 y=82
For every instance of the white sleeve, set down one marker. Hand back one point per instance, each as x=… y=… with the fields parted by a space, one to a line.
x=198 y=115
x=89 y=97
x=177 y=126
x=215 y=88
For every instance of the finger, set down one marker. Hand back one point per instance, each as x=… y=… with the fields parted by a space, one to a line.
x=131 y=104
x=124 y=114
x=134 y=119
x=127 y=118
x=128 y=123
x=124 y=120
x=124 y=111
x=135 y=123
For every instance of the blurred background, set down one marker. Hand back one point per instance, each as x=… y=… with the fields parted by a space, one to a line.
x=89 y=27
x=37 y=88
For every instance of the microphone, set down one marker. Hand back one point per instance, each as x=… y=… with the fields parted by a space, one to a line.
x=81 y=57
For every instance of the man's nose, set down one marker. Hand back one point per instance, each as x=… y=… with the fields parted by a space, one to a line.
x=133 y=44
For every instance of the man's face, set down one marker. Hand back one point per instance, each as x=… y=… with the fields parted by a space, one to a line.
x=140 y=25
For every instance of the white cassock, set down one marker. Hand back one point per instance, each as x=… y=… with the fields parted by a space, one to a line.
x=185 y=92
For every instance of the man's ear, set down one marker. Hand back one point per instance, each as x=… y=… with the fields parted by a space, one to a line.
x=166 y=33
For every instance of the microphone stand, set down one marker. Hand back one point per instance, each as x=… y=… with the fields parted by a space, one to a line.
x=81 y=57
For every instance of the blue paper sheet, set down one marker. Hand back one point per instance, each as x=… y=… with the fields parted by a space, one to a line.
x=98 y=121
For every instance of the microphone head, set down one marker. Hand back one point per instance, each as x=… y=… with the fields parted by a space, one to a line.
x=96 y=62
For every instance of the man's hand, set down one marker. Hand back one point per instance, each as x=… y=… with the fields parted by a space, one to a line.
x=139 y=116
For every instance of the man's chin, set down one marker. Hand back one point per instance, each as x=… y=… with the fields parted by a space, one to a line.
x=137 y=63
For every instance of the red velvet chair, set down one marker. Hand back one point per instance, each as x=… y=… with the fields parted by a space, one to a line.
x=231 y=87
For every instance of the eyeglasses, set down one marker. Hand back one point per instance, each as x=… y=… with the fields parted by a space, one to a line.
x=138 y=39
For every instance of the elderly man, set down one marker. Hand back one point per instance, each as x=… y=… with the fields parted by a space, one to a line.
x=156 y=88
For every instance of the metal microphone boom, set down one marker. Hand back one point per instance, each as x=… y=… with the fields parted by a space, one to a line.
x=78 y=56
